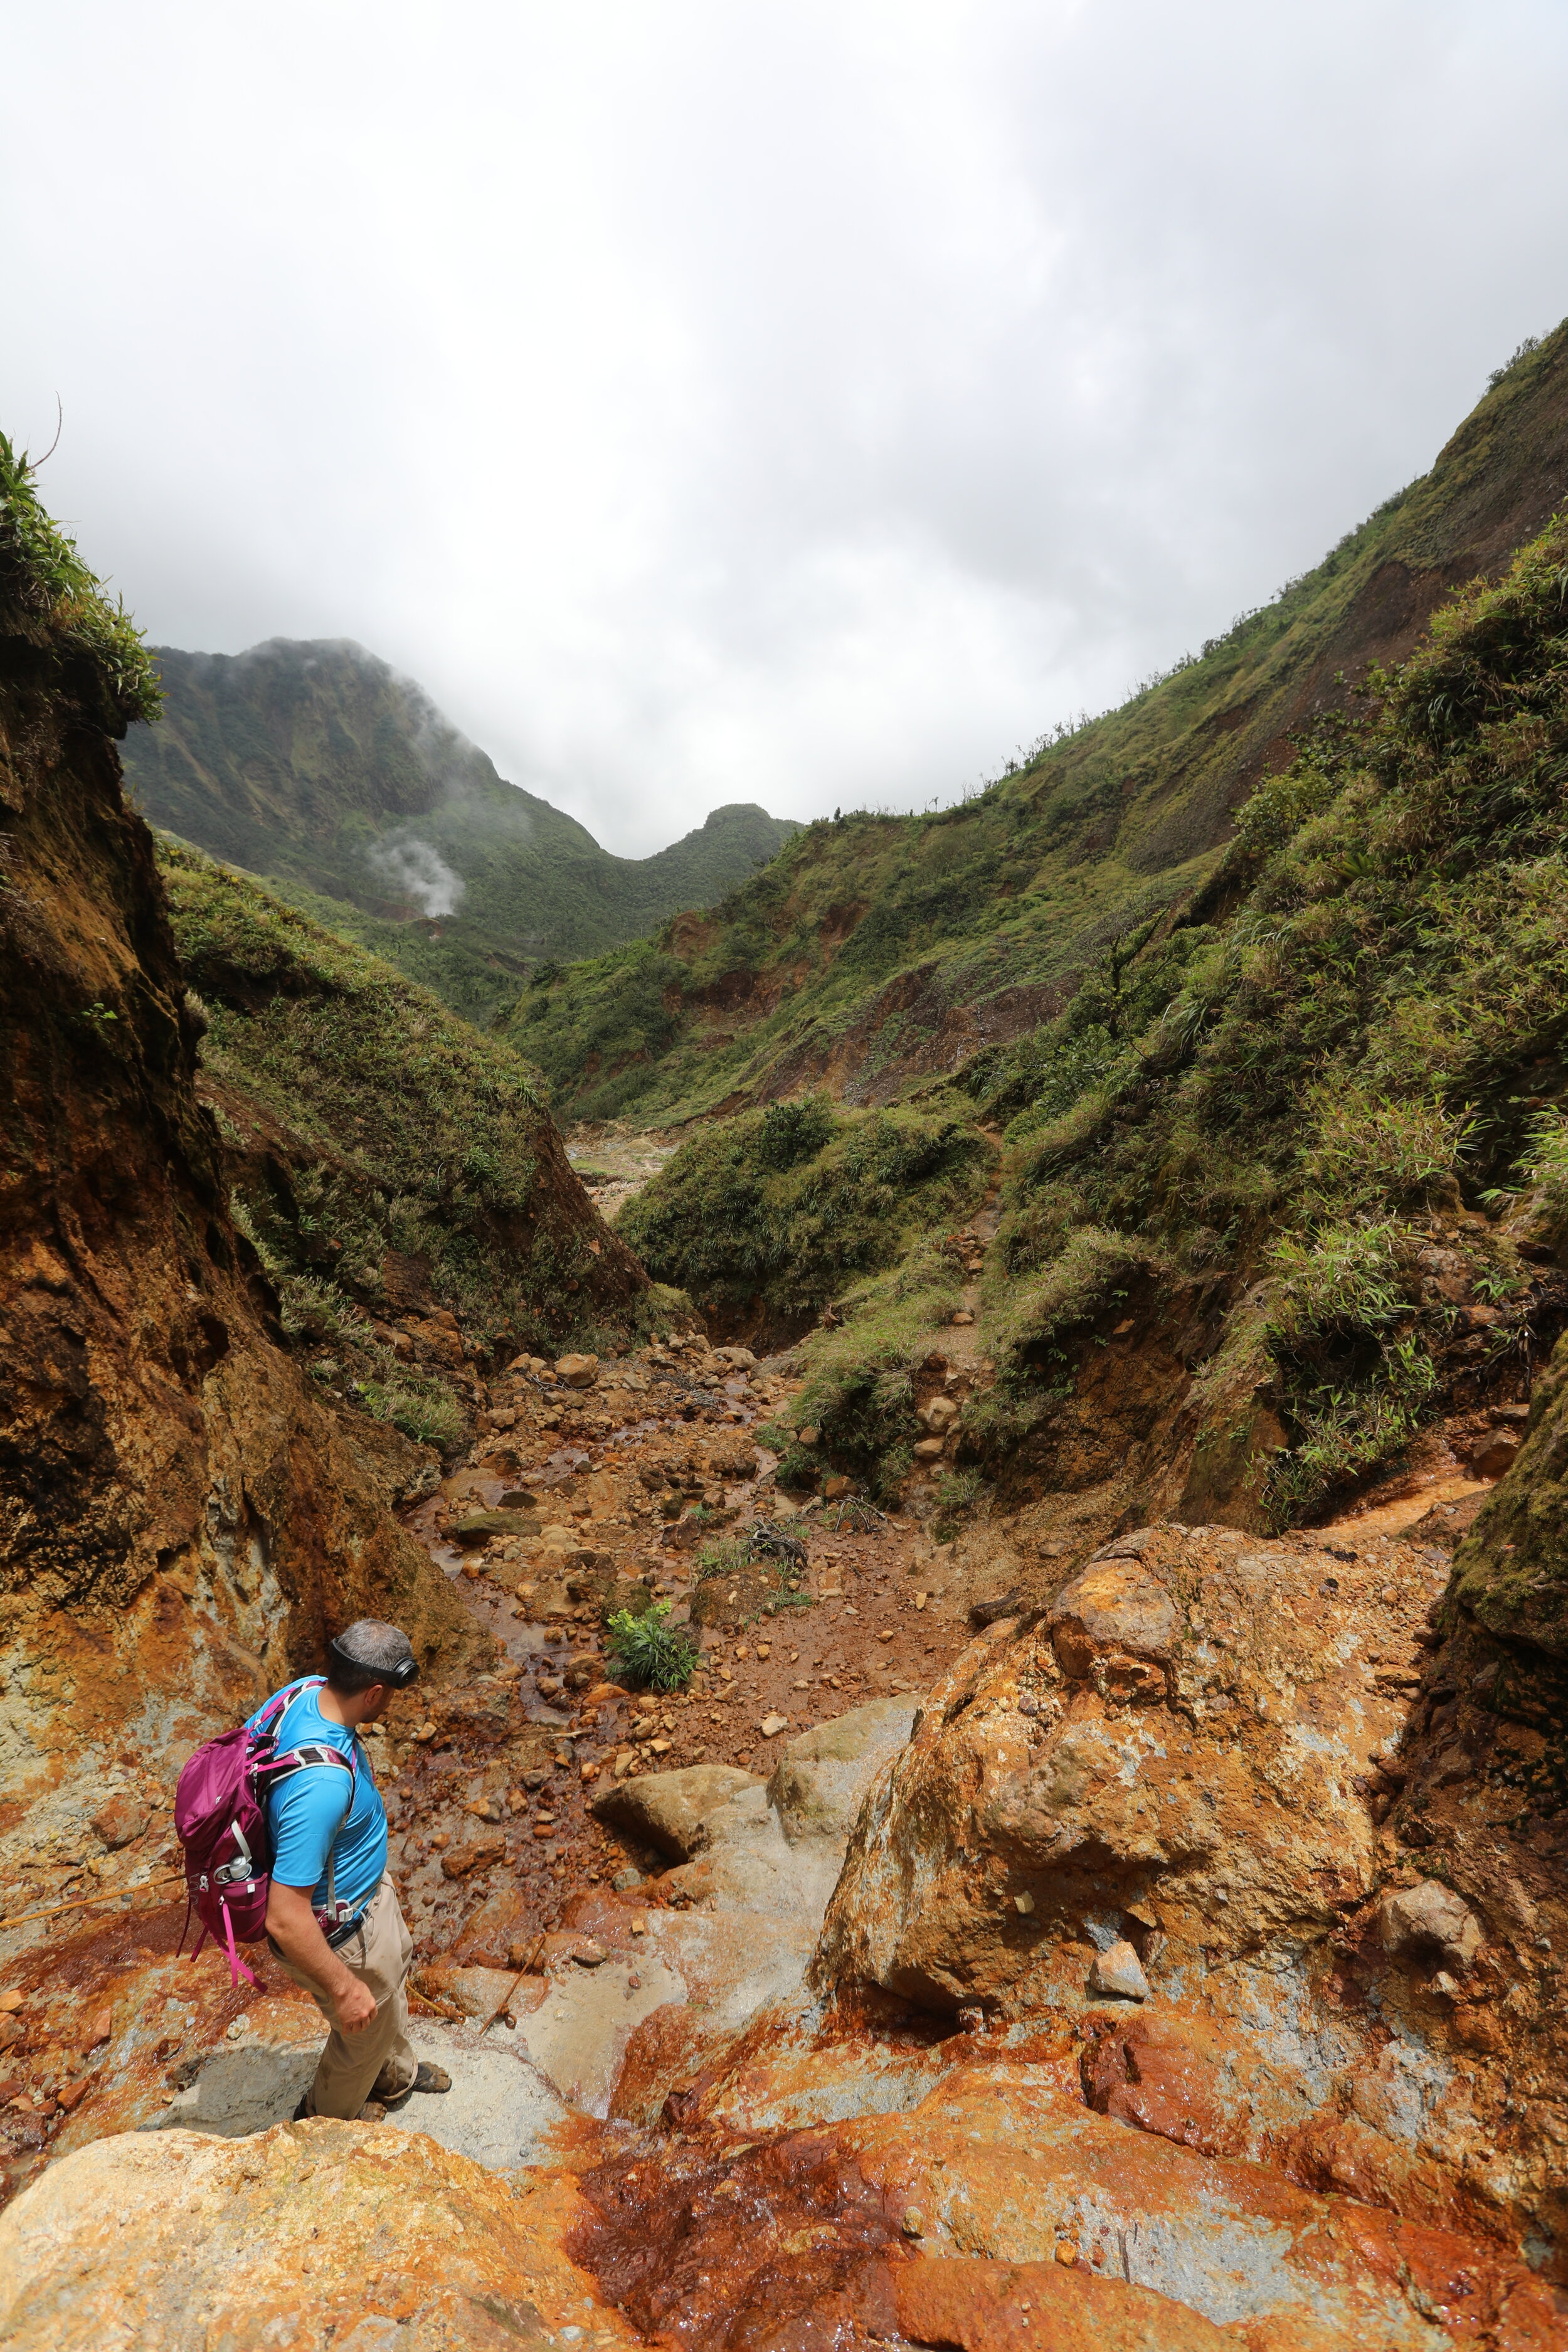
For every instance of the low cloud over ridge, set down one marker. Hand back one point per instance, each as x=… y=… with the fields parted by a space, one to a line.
x=796 y=404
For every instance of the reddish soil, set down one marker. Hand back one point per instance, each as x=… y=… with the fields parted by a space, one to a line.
x=869 y=1618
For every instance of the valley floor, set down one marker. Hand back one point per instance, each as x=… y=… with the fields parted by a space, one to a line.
x=670 y=2122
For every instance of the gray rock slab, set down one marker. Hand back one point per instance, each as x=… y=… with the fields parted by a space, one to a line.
x=820 y=1780
x=668 y=1810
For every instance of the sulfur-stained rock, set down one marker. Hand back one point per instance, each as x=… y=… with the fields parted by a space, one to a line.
x=1180 y=1731
x=1117 y=1974
x=478 y=1992
x=1114 y=1621
x=479 y=1852
x=986 y=2306
x=120 y=1820
x=309 y=2233
x=1429 y=1923
x=667 y=1810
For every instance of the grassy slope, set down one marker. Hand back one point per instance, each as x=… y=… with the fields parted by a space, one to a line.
x=771 y=1215
x=1298 y=1142
x=385 y=1155
x=296 y=761
x=874 y=953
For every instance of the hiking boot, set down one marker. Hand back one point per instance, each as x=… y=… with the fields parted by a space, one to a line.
x=429 y=2078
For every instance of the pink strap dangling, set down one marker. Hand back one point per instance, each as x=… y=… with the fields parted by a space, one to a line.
x=236 y=1968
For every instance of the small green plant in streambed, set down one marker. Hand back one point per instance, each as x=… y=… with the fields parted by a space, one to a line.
x=725 y=1558
x=957 y=1493
x=656 y=1654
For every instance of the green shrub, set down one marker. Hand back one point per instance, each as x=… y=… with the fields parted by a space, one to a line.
x=1364 y=1152
x=653 y=1654
x=1543 y=1163
x=793 y=1132
x=422 y=1410
x=1346 y=1278
x=957 y=1492
x=859 y=1376
x=1344 y=1434
x=777 y=1213
x=1092 y=1272
x=726 y=1558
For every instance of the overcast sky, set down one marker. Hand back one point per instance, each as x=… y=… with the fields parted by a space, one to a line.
x=801 y=401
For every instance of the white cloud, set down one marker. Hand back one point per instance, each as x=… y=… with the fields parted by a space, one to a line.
x=792 y=401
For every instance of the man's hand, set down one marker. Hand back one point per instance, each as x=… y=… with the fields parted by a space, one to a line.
x=297 y=1932
x=354 y=2008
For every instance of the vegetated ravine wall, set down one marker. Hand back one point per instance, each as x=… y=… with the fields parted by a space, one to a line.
x=180 y=1518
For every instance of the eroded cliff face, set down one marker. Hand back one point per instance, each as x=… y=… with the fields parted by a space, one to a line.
x=179 y=1518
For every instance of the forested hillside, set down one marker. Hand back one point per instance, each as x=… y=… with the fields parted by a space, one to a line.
x=405 y=1187
x=317 y=767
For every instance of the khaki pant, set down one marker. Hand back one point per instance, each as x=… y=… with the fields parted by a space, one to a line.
x=377 y=2061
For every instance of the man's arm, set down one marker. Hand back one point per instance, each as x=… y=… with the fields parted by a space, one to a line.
x=295 y=1929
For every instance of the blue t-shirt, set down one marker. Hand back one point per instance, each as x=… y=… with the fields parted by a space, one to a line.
x=306 y=1812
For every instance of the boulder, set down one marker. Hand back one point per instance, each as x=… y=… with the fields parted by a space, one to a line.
x=577 y=1371
x=1493 y=1453
x=940 y=1414
x=1207 y=1771
x=733 y=1458
x=822 y=1777
x=1429 y=1924
x=667 y=1810
x=479 y=1991
x=183 y=2241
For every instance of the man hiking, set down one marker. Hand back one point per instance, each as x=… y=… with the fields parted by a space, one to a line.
x=332 y=1917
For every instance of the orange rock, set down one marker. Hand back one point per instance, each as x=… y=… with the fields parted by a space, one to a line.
x=987 y=2307
x=478 y=1854
x=120 y=1820
x=174 y=2237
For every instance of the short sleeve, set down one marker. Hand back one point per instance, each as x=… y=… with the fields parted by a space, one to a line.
x=307 y=1813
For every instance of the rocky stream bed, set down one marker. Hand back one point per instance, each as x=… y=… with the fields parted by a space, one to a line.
x=1169 y=1960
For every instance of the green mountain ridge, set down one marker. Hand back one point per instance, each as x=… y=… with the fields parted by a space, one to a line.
x=1284 y=1187
x=316 y=767
x=876 y=954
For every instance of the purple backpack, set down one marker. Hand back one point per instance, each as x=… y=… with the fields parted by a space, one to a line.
x=220 y=1815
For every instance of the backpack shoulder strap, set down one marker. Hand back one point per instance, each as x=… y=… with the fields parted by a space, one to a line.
x=278 y=1705
x=299 y=1760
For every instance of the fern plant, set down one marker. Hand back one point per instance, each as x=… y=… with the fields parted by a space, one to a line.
x=656 y=1654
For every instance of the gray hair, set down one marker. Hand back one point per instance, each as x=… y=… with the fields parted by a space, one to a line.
x=373 y=1650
